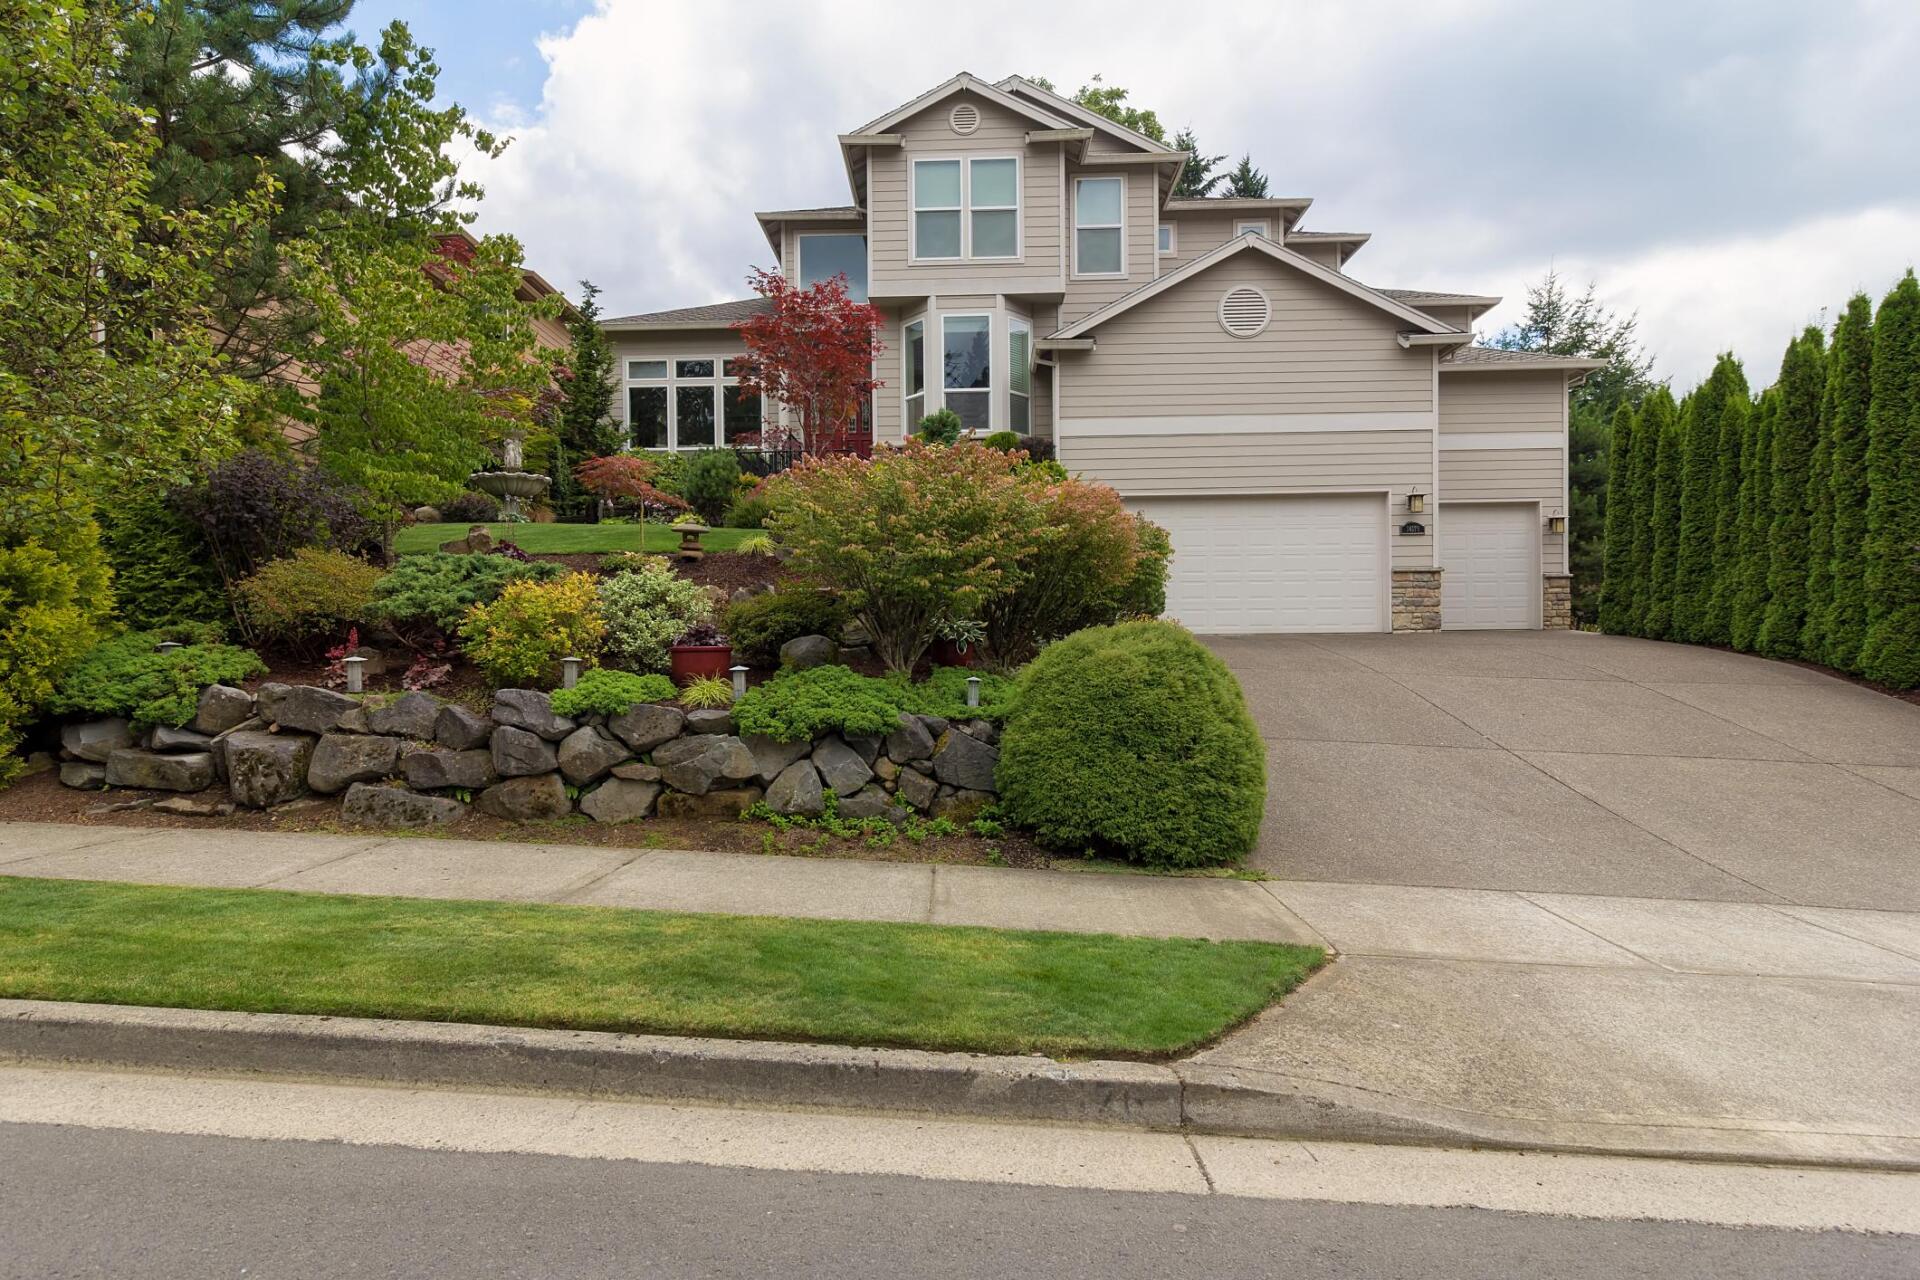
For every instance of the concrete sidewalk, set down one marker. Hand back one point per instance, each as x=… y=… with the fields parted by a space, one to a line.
x=1562 y=1021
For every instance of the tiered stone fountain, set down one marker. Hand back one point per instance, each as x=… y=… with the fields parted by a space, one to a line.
x=512 y=484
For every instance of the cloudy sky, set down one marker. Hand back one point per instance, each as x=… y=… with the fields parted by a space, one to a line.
x=1729 y=171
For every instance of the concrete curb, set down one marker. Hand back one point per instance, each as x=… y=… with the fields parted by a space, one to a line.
x=1170 y=1097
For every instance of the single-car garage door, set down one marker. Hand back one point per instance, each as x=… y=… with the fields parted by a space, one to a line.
x=1490 y=557
x=1279 y=563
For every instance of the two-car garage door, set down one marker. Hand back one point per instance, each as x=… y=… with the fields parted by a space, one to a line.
x=1298 y=562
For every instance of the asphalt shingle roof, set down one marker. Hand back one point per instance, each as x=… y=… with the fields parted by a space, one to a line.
x=719 y=314
x=1415 y=297
x=1499 y=355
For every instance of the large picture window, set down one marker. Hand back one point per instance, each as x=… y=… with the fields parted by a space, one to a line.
x=913 y=374
x=967 y=348
x=1099 y=226
x=824 y=256
x=689 y=402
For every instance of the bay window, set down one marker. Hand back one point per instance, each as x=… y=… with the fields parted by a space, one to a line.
x=913 y=375
x=1019 y=375
x=967 y=368
x=1099 y=226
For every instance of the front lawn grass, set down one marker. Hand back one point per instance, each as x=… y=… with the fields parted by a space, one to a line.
x=604 y=969
x=562 y=539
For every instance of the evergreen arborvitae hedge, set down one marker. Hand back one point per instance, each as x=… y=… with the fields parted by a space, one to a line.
x=1803 y=378
x=1755 y=520
x=1662 y=418
x=1849 y=391
x=1646 y=455
x=1726 y=388
x=1620 y=580
x=1693 y=553
x=1891 y=652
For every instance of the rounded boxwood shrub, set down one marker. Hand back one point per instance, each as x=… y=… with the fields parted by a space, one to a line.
x=1134 y=741
x=471 y=507
x=611 y=693
x=760 y=624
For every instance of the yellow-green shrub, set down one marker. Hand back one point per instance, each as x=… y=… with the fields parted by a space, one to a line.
x=520 y=637
x=307 y=596
x=54 y=602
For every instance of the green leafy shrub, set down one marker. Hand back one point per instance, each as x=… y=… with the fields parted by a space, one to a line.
x=761 y=624
x=645 y=608
x=942 y=426
x=257 y=507
x=1134 y=740
x=427 y=594
x=1144 y=595
x=520 y=637
x=628 y=561
x=471 y=507
x=800 y=705
x=707 y=691
x=307 y=596
x=54 y=602
x=708 y=481
x=749 y=510
x=125 y=677
x=162 y=569
x=1004 y=441
x=944 y=693
x=611 y=693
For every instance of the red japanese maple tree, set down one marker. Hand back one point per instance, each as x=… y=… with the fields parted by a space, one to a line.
x=814 y=353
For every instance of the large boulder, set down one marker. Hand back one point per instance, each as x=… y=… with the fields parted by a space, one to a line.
x=646 y=726
x=911 y=741
x=459 y=729
x=797 y=791
x=519 y=753
x=265 y=769
x=428 y=768
x=710 y=720
x=151 y=771
x=343 y=758
x=714 y=804
x=166 y=739
x=872 y=801
x=586 y=754
x=698 y=763
x=917 y=789
x=840 y=766
x=520 y=799
x=962 y=806
x=532 y=710
x=307 y=707
x=962 y=760
x=770 y=758
x=620 y=800
x=411 y=715
x=95 y=740
x=84 y=774
x=221 y=708
x=803 y=653
x=376 y=806
x=637 y=771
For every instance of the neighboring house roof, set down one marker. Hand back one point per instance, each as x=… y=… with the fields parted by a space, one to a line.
x=1092 y=119
x=1498 y=358
x=773 y=220
x=1422 y=322
x=714 y=315
x=460 y=244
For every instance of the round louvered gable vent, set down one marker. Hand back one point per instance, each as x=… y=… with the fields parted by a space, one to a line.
x=965 y=118
x=1244 y=311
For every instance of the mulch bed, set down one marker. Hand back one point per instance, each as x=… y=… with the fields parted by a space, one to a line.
x=41 y=798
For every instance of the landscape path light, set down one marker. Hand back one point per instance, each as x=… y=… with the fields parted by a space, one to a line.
x=356 y=673
x=570 y=671
x=739 y=681
x=973 y=691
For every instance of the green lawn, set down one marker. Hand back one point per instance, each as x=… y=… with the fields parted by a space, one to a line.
x=560 y=538
x=601 y=969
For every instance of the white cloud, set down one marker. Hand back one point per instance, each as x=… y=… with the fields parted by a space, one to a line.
x=1726 y=174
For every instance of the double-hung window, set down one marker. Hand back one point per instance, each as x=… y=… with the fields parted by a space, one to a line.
x=1019 y=375
x=967 y=368
x=1099 y=226
x=913 y=374
x=966 y=209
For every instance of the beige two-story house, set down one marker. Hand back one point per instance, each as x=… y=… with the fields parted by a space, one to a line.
x=1327 y=455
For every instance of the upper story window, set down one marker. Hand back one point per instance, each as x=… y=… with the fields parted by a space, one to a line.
x=1168 y=241
x=966 y=209
x=1251 y=226
x=1099 y=226
x=824 y=255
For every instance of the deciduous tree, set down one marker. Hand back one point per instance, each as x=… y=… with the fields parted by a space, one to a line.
x=813 y=353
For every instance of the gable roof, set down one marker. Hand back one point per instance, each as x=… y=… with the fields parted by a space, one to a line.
x=963 y=83
x=1279 y=253
x=1499 y=358
x=714 y=315
x=1430 y=298
x=772 y=220
x=1093 y=119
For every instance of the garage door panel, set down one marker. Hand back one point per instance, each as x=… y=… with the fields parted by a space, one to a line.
x=1490 y=555
x=1302 y=562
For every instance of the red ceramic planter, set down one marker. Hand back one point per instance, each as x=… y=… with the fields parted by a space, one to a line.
x=947 y=653
x=692 y=661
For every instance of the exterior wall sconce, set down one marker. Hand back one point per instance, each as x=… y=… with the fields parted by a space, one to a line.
x=1416 y=503
x=570 y=671
x=356 y=674
x=1556 y=523
x=739 y=681
x=973 y=691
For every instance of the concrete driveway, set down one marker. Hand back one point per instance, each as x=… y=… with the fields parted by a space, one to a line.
x=1573 y=763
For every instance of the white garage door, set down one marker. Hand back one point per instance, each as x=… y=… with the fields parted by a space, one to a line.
x=1266 y=564
x=1490 y=557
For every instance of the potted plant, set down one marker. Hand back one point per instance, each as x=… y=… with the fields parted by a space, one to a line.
x=701 y=651
x=956 y=642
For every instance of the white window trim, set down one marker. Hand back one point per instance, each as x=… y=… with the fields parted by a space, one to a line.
x=799 y=253
x=907 y=420
x=1019 y=324
x=993 y=384
x=672 y=383
x=1075 y=228
x=1240 y=226
x=1173 y=239
x=964 y=209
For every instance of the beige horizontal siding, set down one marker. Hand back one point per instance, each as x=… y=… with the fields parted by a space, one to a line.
x=1482 y=402
x=1322 y=352
x=1279 y=462
x=1195 y=234
x=1142 y=231
x=887 y=406
x=1508 y=475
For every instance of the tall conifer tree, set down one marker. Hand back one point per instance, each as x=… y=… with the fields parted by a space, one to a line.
x=1620 y=580
x=1662 y=418
x=1644 y=467
x=1756 y=524
x=1803 y=379
x=1718 y=430
x=1849 y=391
x=1891 y=652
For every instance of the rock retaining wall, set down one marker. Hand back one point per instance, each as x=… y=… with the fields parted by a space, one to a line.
x=415 y=760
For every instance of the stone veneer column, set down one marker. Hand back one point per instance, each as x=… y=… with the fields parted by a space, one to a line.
x=1416 y=599
x=1556 y=602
